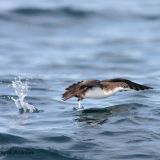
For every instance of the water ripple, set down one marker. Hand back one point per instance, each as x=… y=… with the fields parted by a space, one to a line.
x=66 y=11
x=58 y=139
x=9 y=138
x=35 y=153
x=78 y=12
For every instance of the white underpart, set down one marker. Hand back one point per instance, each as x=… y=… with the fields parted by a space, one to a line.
x=97 y=92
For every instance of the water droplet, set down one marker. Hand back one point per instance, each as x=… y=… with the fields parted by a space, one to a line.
x=21 y=90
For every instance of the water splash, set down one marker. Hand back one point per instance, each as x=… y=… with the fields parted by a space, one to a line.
x=21 y=90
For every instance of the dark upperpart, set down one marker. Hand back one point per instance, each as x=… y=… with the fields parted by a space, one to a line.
x=79 y=89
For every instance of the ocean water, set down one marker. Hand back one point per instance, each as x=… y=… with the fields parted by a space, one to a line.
x=46 y=45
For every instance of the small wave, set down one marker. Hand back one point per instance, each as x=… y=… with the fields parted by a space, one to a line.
x=115 y=133
x=58 y=139
x=36 y=153
x=67 y=11
x=5 y=99
x=148 y=17
x=6 y=80
x=72 y=12
x=9 y=138
x=137 y=156
x=96 y=116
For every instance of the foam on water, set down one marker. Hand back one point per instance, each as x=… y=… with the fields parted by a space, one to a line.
x=21 y=90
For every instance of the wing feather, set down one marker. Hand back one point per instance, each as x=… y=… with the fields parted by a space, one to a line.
x=78 y=89
x=124 y=83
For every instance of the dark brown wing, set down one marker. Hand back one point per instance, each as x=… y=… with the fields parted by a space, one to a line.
x=124 y=83
x=78 y=89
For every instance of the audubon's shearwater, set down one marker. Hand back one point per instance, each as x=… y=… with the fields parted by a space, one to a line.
x=99 y=88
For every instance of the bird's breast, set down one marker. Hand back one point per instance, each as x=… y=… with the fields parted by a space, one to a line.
x=98 y=92
x=95 y=92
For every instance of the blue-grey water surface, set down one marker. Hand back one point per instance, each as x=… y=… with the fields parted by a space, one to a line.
x=53 y=43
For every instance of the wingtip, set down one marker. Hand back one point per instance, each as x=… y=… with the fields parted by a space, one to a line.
x=63 y=98
x=150 y=88
x=147 y=87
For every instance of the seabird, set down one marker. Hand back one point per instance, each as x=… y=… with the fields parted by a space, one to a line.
x=99 y=88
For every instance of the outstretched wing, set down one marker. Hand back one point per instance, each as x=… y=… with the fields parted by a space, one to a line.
x=78 y=89
x=120 y=84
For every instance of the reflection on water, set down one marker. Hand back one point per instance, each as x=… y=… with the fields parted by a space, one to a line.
x=95 y=116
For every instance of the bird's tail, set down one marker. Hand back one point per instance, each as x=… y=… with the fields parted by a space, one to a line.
x=67 y=95
x=70 y=91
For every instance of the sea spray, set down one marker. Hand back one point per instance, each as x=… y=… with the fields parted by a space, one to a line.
x=21 y=90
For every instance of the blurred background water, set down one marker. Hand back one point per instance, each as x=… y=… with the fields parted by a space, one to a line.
x=53 y=43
